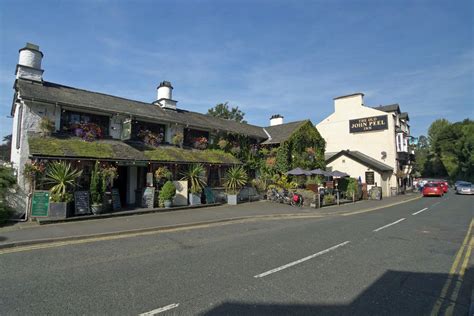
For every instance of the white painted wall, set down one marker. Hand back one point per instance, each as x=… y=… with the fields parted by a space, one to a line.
x=356 y=170
x=335 y=130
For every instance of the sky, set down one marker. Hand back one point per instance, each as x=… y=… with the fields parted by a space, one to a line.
x=266 y=57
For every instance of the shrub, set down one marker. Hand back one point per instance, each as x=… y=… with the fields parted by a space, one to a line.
x=7 y=181
x=259 y=185
x=96 y=186
x=177 y=139
x=329 y=199
x=46 y=126
x=162 y=173
x=167 y=192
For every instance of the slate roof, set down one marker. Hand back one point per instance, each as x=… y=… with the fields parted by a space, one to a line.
x=68 y=96
x=363 y=159
x=388 y=108
x=280 y=133
x=404 y=116
x=109 y=149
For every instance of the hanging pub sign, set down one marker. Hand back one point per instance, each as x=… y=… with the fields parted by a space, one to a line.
x=369 y=177
x=367 y=124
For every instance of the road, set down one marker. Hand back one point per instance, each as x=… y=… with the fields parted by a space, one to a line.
x=409 y=259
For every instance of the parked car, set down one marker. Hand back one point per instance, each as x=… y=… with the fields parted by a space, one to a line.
x=465 y=188
x=457 y=183
x=433 y=189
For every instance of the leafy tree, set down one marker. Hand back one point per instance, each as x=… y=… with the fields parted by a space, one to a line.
x=436 y=129
x=7 y=180
x=223 y=110
x=5 y=148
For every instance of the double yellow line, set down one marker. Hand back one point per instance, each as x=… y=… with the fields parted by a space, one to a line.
x=460 y=264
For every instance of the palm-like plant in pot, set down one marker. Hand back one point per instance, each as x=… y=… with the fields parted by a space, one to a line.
x=96 y=189
x=196 y=177
x=235 y=179
x=62 y=177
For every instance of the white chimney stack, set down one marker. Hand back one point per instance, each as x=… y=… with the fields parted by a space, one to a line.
x=349 y=103
x=276 y=119
x=164 y=96
x=29 y=63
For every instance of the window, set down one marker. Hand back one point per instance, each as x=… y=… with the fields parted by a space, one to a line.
x=138 y=128
x=191 y=135
x=70 y=120
x=18 y=126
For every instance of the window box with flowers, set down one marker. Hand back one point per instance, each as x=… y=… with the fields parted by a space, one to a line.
x=87 y=131
x=200 y=142
x=151 y=138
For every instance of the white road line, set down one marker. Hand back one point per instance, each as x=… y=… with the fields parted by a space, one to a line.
x=380 y=228
x=261 y=275
x=160 y=310
x=420 y=211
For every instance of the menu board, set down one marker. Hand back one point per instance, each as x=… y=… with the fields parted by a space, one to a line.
x=40 y=204
x=148 y=197
x=81 y=202
x=369 y=177
x=116 y=205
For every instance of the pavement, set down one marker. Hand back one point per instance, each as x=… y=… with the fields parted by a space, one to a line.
x=28 y=233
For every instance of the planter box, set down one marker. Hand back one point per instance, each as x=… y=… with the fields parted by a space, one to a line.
x=168 y=203
x=194 y=199
x=97 y=209
x=58 y=210
x=232 y=199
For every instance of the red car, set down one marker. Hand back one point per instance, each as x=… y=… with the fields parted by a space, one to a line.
x=433 y=188
x=444 y=185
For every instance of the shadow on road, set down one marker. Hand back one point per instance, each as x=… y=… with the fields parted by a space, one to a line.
x=394 y=293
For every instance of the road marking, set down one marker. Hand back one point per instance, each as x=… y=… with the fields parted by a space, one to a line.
x=160 y=310
x=420 y=211
x=388 y=225
x=460 y=280
x=447 y=285
x=261 y=275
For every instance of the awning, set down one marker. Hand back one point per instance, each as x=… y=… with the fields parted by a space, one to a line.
x=299 y=172
x=320 y=172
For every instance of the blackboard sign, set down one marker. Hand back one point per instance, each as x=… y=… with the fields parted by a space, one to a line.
x=40 y=204
x=148 y=198
x=367 y=124
x=81 y=202
x=369 y=177
x=116 y=205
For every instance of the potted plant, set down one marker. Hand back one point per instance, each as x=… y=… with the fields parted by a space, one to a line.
x=96 y=189
x=46 y=126
x=108 y=175
x=177 y=139
x=162 y=174
x=235 y=179
x=195 y=175
x=167 y=194
x=62 y=177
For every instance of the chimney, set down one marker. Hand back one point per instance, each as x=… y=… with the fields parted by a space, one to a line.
x=29 y=64
x=164 y=96
x=349 y=102
x=276 y=119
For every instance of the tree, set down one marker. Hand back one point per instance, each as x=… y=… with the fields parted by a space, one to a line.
x=5 y=148
x=222 y=110
x=435 y=130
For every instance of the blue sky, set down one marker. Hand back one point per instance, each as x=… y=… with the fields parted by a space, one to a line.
x=267 y=57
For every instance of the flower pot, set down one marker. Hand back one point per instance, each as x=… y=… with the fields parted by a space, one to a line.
x=232 y=199
x=194 y=199
x=96 y=209
x=58 y=210
x=168 y=203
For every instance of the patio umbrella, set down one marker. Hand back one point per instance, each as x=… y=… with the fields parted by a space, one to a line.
x=339 y=174
x=299 y=172
x=320 y=172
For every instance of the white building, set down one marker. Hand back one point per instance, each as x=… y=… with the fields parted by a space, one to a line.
x=368 y=142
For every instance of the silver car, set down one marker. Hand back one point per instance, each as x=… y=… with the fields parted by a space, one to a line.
x=465 y=188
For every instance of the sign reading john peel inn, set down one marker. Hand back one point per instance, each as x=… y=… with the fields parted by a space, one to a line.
x=367 y=124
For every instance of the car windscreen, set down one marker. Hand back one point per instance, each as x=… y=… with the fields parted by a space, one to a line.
x=431 y=185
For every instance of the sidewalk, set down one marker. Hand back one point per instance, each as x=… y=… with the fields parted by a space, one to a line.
x=21 y=234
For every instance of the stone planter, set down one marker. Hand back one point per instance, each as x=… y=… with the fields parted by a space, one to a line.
x=58 y=210
x=232 y=199
x=194 y=199
x=96 y=209
x=168 y=203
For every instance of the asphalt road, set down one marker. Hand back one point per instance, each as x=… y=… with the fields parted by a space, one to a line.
x=390 y=261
